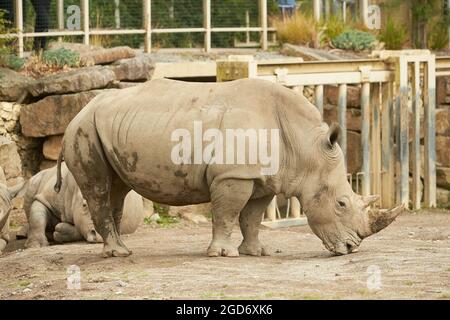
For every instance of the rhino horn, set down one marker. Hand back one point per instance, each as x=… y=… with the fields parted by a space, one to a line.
x=369 y=200
x=380 y=219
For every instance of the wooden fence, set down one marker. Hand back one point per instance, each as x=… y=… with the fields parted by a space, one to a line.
x=147 y=30
x=385 y=84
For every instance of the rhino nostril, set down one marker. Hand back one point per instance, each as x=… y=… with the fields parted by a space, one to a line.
x=349 y=247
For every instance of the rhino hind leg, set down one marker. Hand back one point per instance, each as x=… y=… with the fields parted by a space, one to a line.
x=66 y=232
x=84 y=156
x=249 y=222
x=228 y=198
x=38 y=219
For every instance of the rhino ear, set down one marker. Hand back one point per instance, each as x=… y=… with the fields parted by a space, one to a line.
x=333 y=134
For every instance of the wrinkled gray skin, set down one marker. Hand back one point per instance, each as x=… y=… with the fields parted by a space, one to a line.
x=122 y=140
x=6 y=195
x=64 y=216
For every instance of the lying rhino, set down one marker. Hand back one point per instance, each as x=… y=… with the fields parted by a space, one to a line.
x=6 y=195
x=124 y=140
x=65 y=215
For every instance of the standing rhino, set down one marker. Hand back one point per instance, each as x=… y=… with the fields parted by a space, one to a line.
x=6 y=195
x=124 y=140
x=65 y=215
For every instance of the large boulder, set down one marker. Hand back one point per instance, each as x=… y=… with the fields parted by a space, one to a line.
x=354 y=152
x=9 y=116
x=51 y=115
x=9 y=158
x=443 y=121
x=77 y=80
x=104 y=56
x=140 y=68
x=52 y=147
x=353 y=117
x=443 y=177
x=12 y=85
x=443 y=151
x=331 y=94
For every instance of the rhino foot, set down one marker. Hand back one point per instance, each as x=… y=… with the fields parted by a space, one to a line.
x=2 y=245
x=217 y=249
x=115 y=250
x=253 y=249
x=36 y=241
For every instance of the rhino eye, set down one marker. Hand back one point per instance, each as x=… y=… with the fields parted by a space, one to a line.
x=341 y=204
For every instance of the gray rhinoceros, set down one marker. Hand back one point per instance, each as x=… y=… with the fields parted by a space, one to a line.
x=64 y=216
x=6 y=195
x=130 y=139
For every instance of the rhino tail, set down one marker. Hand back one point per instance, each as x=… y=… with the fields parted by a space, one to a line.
x=58 y=183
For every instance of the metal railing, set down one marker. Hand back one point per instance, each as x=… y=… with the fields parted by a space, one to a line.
x=147 y=30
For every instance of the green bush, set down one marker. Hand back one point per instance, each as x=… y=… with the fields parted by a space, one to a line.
x=393 y=35
x=61 y=57
x=354 y=40
x=438 y=38
x=332 y=28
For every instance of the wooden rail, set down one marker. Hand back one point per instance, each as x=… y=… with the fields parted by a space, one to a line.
x=385 y=82
x=146 y=29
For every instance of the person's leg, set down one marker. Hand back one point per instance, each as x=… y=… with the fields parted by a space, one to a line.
x=42 y=10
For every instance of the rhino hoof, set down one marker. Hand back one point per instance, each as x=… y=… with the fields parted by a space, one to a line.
x=36 y=242
x=115 y=251
x=253 y=249
x=222 y=250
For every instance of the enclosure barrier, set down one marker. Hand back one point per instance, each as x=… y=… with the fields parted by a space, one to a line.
x=147 y=30
x=385 y=83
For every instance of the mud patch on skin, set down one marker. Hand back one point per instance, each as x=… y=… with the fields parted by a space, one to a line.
x=180 y=174
x=128 y=161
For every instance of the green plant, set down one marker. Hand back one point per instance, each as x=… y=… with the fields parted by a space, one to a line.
x=7 y=57
x=331 y=28
x=61 y=57
x=298 y=29
x=438 y=37
x=354 y=40
x=393 y=35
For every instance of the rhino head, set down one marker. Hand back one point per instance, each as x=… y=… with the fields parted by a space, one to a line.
x=6 y=195
x=337 y=215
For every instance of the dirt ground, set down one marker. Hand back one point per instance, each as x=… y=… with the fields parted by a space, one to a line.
x=408 y=260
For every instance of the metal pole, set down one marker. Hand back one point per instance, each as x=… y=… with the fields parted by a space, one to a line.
x=207 y=24
x=316 y=4
x=60 y=12
x=263 y=16
x=363 y=11
x=147 y=5
x=85 y=8
x=365 y=136
x=19 y=27
x=318 y=93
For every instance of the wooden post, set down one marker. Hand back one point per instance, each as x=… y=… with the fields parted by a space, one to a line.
x=375 y=135
x=415 y=152
x=342 y=119
x=295 y=211
x=207 y=24
x=317 y=9
x=365 y=136
x=401 y=76
x=387 y=147
x=271 y=211
x=19 y=27
x=318 y=96
x=85 y=8
x=147 y=14
x=60 y=13
x=430 y=132
x=263 y=17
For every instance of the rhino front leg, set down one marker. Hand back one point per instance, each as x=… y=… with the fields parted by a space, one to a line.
x=228 y=197
x=38 y=218
x=250 y=221
x=66 y=232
